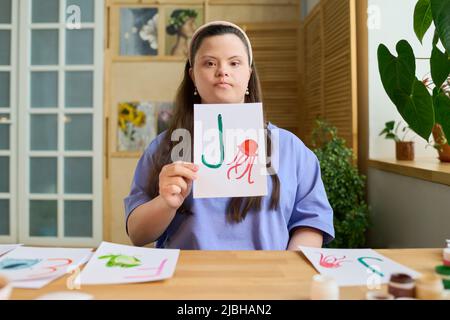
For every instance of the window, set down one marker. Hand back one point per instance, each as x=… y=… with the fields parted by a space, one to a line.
x=54 y=196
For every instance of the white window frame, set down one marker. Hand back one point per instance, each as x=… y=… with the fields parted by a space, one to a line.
x=25 y=110
x=12 y=111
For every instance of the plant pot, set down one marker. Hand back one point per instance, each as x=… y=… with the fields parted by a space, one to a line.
x=439 y=138
x=404 y=150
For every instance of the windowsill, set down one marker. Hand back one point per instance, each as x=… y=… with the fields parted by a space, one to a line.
x=429 y=169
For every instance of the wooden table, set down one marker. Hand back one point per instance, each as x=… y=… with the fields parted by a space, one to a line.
x=238 y=275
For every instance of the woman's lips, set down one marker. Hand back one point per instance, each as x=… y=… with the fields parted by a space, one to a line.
x=223 y=85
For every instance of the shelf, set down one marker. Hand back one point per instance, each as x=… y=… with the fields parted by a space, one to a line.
x=429 y=169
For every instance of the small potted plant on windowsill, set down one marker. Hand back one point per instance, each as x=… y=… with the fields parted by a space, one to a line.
x=441 y=144
x=404 y=150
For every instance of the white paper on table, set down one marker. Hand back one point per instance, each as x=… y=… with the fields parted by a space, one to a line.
x=39 y=283
x=5 y=248
x=244 y=145
x=355 y=267
x=151 y=265
x=41 y=266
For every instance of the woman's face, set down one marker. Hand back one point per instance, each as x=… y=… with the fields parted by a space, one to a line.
x=221 y=71
x=188 y=28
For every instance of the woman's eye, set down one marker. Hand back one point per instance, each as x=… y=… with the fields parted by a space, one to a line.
x=210 y=63
x=235 y=63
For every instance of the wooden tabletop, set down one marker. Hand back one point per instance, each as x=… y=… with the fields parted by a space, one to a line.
x=237 y=275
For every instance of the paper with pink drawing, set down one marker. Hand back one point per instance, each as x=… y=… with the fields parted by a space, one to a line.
x=116 y=263
x=33 y=268
x=230 y=149
x=355 y=267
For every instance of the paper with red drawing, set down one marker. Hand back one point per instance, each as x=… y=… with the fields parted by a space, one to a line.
x=34 y=268
x=116 y=263
x=355 y=267
x=230 y=150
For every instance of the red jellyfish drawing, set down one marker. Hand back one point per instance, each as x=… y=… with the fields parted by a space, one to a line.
x=245 y=157
x=331 y=261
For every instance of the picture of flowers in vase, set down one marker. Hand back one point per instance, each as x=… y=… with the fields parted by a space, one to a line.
x=139 y=32
x=137 y=125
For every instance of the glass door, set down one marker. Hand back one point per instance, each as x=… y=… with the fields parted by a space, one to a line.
x=61 y=123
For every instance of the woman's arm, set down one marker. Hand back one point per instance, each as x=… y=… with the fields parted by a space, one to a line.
x=308 y=237
x=148 y=221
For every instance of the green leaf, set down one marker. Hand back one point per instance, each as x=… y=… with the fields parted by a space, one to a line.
x=440 y=66
x=397 y=74
x=390 y=125
x=390 y=136
x=417 y=110
x=435 y=38
x=440 y=10
x=422 y=18
x=442 y=109
x=409 y=95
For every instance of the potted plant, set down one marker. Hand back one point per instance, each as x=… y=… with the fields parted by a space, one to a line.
x=420 y=109
x=441 y=144
x=404 y=150
x=344 y=186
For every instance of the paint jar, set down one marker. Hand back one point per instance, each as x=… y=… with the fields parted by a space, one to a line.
x=401 y=285
x=444 y=273
x=324 y=288
x=446 y=256
x=5 y=288
x=429 y=287
x=378 y=295
x=66 y=295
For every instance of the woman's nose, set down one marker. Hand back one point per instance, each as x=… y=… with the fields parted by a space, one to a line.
x=222 y=71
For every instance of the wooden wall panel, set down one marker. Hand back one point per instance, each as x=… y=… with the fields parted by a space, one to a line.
x=330 y=68
x=313 y=84
x=275 y=49
x=339 y=78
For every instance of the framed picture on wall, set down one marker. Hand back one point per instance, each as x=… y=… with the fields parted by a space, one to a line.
x=180 y=25
x=140 y=122
x=164 y=114
x=139 y=31
x=136 y=126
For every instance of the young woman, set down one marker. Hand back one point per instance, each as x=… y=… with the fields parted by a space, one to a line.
x=160 y=207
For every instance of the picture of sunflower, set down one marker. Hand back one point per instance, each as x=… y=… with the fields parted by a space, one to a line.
x=129 y=119
x=136 y=125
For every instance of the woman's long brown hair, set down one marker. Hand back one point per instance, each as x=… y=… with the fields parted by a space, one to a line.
x=184 y=119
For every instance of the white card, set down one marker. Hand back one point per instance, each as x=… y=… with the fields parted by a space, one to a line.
x=230 y=149
x=35 y=267
x=116 y=263
x=355 y=267
x=5 y=248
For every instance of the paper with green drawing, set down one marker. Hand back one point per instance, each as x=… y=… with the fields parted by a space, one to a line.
x=355 y=267
x=116 y=263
